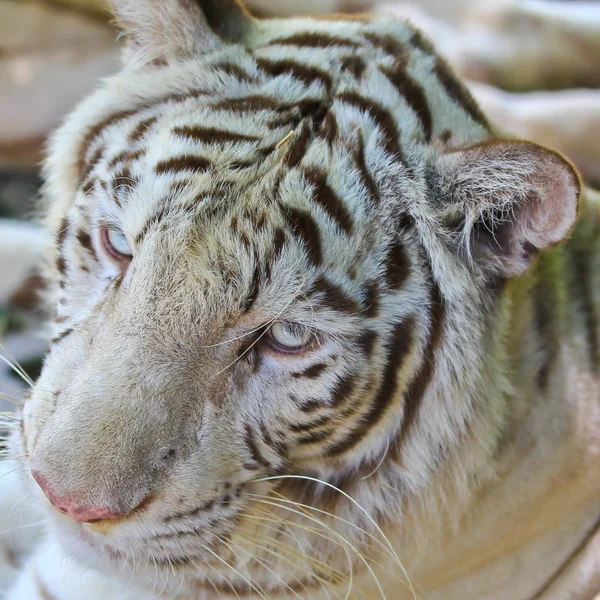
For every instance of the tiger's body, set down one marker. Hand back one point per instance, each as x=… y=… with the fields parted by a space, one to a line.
x=436 y=432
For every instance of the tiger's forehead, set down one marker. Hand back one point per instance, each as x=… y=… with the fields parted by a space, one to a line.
x=231 y=110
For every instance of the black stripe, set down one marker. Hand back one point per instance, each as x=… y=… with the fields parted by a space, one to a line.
x=382 y=117
x=314 y=437
x=416 y=389
x=366 y=342
x=276 y=248
x=305 y=73
x=333 y=296
x=234 y=70
x=154 y=220
x=389 y=44
x=342 y=390
x=458 y=92
x=365 y=174
x=311 y=372
x=84 y=238
x=141 y=129
x=328 y=200
x=371 y=299
x=419 y=41
x=61 y=265
x=397 y=350
x=121 y=182
x=61 y=234
x=543 y=312
x=304 y=427
x=278 y=243
x=329 y=129
x=413 y=94
x=95 y=131
x=305 y=227
x=179 y=164
x=87 y=165
x=248 y=104
x=61 y=336
x=254 y=289
x=311 y=405
x=397 y=265
x=211 y=135
x=255 y=453
x=355 y=65
x=276 y=445
x=125 y=156
x=315 y=40
x=298 y=146
x=193 y=512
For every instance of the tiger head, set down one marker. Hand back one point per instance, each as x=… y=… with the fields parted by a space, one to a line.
x=282 y=255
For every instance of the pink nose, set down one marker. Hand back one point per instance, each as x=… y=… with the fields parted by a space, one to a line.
x=68 y=506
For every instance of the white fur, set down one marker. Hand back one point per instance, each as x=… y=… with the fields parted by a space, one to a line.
x=144 y=359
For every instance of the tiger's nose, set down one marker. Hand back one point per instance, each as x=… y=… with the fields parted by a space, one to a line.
x=71 y=508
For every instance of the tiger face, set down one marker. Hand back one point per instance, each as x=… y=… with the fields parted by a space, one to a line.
x=281 y=255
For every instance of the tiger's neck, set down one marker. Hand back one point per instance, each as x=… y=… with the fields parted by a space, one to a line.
x=532 y=521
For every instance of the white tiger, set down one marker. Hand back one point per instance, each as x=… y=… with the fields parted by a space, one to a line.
x=314 y=337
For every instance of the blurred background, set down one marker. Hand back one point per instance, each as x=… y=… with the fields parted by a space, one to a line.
x=534 y=65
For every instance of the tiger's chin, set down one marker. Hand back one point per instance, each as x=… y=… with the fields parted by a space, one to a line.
x=185 y=576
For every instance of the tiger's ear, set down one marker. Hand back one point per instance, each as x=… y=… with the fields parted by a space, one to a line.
x=506 y=200
x=162 y=29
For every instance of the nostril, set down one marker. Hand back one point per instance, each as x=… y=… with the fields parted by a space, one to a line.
x=166 y=457
x=170 y=454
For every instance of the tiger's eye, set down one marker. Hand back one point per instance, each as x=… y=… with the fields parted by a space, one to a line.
x=290 y=337
x=116 y=244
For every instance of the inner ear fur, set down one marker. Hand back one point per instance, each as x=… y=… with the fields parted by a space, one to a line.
x=162 y=29
x=508 y=200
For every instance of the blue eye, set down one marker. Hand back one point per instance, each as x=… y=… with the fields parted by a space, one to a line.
x=290 y=336
x=116 y=244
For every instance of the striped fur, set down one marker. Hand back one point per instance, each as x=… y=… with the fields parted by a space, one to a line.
x=330 y=173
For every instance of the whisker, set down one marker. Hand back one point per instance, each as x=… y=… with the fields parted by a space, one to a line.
x=15 y=401
x=358 y=553
x=254 y=557
x=153 y=557
x=14 y=365
x=214 y=586
x=133 y=561
x=302 y=555
x=360 y=507
x=312 y=508
x=169 y=571
x=4 y=385
x=223 y=541
x=10 y=416
x=387 y=447
x=222 y=576
x=19 y=468
x=287 y=560
x=235 y=571
x=311 y=561
x=17 y=528
x=314 y=562
x=324 y=512
x=334 y=576
x=343 y=546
